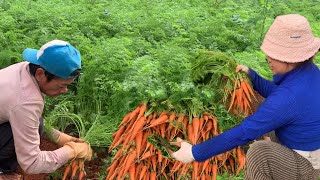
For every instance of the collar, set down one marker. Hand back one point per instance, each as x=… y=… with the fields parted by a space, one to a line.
x=35 y=81
x=279 y=78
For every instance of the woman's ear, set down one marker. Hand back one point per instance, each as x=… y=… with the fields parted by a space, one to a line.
x=40 y=75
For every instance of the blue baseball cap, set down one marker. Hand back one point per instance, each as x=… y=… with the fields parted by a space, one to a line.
x=57 y=57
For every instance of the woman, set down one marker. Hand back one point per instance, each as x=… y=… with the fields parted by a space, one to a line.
x=290 y=110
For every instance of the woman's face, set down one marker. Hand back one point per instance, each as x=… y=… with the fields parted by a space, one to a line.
x=278 y=67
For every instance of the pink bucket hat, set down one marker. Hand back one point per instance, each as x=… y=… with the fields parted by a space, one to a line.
x=290 y=39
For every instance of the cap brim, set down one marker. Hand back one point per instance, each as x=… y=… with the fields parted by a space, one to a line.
x=30 y=55
x=290 y=54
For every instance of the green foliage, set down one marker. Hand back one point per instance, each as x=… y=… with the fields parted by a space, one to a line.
x=135 y=51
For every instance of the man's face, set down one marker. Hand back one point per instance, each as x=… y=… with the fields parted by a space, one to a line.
x=55 y=87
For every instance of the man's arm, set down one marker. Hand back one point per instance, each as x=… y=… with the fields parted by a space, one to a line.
x=24 y=120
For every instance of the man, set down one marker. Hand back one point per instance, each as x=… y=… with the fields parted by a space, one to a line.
x=48 y=71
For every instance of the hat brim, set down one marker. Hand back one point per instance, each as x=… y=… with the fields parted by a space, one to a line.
x=290 y=54
x=30 y=55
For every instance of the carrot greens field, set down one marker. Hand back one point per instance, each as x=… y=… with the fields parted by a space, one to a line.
x=175 y=60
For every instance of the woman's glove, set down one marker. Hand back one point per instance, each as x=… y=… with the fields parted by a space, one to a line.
x=184 y=154
x=242 y=68
x=79 y=150
x=64 y=138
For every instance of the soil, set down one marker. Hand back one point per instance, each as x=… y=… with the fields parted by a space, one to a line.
x=92 y=168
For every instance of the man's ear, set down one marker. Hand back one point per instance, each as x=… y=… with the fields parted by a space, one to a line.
x=40 y=75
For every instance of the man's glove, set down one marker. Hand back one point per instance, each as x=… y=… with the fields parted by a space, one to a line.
x=64 y=138
x=184 y=154
x=79 y=150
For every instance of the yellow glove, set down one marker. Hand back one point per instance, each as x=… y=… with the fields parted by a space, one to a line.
x=79 y=150
x=64 y=138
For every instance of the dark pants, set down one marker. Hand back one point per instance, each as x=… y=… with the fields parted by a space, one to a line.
x=8 y=159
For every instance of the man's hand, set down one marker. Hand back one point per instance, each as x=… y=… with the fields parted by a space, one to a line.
x=79 y=150
x=184 y=154
x=242 y=68
x=65 y=138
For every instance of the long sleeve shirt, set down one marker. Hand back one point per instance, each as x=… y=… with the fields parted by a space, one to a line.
x=21 y=103
x=291 y=109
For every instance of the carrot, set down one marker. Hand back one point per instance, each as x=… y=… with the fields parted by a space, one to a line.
x=239 y=97
x=208 y=126
x=111 y=168
x=164 y=113
x=195 y=172
x=139 y=139
x=202 y=123
x=247 y=107
x=118 y=133
x=143 y=172
x=149 y=118
x=116 y=143
x=117 y=137
x=153 y=176
x=235 y=86
x=215 y=126
x=135 y=112
x=162 y=129
x=66 y=172
x=249 y=88
x=160 y=157
x=158 y=121
x=142 y=110
x=205 y=165
x=176 y=166
x=75 y=168
x=118 y=170
x=214 y=171
x=118 y=154
x=231 y=162
x=129 y=162
x=146 y=155
x=132 y=171
x=81 y=175
x=144 y=142
x=154 y=162
x=246 y=91
x=138 y=127
x=196 y=127
x=190 y=133
x=241 y=160
x=125 y=119
x=147 y=176
x=171 y=118
x=208 y=169
x=164 y=175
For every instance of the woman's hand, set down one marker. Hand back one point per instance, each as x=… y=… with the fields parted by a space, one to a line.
x=184 y=154
x=242 y=68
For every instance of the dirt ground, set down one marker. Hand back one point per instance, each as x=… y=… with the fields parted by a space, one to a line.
x=92 y=168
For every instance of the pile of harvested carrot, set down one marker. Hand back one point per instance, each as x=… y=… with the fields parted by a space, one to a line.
x=136 y=158
x=76 y=165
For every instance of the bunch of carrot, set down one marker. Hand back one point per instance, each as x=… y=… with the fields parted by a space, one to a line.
x=241 y=98
x=136 y=158
x=76 y=165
